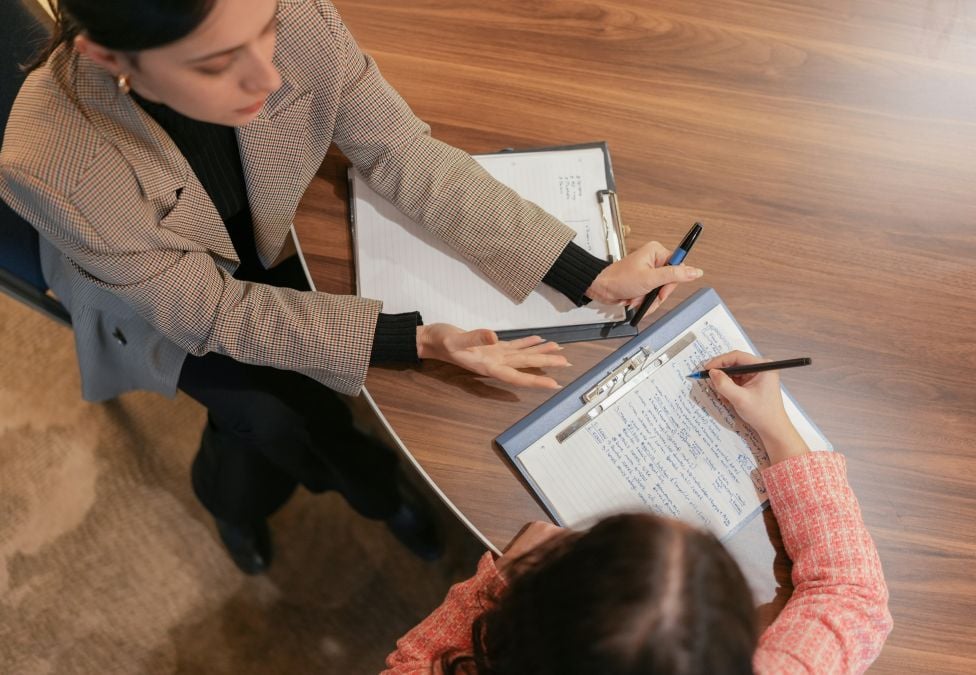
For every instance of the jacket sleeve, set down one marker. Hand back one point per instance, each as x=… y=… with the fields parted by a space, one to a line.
x=511 y=240
x=448 y=628
x=197 y=304
x=837 y=618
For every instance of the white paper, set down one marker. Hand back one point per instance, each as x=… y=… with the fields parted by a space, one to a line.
x=408 y=268
x=670 y=446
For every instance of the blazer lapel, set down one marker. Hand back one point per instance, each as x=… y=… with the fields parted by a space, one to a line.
x=160 y=167
x=273 y=153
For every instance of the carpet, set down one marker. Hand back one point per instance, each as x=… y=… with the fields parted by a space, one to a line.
x=109 y=565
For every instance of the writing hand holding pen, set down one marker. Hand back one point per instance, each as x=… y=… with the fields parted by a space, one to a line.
x=758 y=400
x=630 y=279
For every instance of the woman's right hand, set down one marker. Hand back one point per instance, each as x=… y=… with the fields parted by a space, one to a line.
x=758 y=400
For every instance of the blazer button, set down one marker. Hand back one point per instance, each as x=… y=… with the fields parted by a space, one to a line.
x=119 y=337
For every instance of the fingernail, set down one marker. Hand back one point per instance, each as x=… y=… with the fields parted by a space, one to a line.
x=695 y=272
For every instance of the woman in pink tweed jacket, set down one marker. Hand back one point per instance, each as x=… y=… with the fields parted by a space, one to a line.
x=641 y=594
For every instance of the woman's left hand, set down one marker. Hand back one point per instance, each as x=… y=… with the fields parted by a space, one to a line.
x=628 y=280
x=481 y=352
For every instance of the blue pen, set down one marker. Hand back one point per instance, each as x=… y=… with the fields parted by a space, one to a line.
x=679 y=255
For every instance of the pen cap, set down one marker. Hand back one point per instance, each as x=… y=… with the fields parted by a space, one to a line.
x=691 y=237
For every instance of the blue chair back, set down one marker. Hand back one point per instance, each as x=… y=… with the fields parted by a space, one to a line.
x=24 y=28
x=22 y=32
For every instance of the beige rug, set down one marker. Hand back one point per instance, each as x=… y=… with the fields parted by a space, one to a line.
x=108 y=564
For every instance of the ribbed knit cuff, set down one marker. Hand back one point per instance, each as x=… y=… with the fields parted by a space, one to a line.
x=396 y=338
x=573 y=272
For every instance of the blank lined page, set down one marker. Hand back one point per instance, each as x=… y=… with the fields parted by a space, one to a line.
x=409 y=269
x=670 y=446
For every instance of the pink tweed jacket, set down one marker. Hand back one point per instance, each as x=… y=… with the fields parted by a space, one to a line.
x=134 y=247
x=835 y=622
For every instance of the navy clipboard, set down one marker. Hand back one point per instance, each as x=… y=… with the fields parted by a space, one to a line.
x=582 y=333
x=556 y=410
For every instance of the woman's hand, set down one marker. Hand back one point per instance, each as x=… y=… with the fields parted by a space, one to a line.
x=637 y=274
x=758 y=400
x=481 y=352
x=532 y=535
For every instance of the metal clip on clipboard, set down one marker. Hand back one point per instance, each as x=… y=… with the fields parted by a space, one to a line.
x=621 y=381
x=613 y=227
x=615 y=232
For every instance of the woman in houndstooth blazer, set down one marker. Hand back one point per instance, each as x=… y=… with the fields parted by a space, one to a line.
x=161 y=150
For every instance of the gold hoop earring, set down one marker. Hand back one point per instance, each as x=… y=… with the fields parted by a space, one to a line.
x=122 y=82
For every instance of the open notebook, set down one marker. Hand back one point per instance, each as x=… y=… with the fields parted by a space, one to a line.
x=408 y=268
x=669 y=446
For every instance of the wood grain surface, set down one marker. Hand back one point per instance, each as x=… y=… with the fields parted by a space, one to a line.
x=828 y=147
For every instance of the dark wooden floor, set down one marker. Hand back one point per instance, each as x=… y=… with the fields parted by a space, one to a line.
x=829 y=148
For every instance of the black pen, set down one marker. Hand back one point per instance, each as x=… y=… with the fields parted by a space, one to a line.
x=675 y=259
x=755 y=367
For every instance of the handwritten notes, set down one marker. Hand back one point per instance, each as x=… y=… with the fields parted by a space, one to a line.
x=408 y=268
x=670 y=446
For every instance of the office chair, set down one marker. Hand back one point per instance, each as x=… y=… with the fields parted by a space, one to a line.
x=25 y=27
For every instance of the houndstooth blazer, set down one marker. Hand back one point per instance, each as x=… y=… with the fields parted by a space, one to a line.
x=135 y=249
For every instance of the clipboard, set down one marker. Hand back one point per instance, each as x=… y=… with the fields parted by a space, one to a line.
x=553 y=422
x=369 y=258
x=615 y=233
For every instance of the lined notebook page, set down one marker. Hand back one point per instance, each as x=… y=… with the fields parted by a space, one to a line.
x=671 y=446
x=406 y=267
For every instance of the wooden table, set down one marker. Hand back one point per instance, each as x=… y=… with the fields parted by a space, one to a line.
x=830 y=148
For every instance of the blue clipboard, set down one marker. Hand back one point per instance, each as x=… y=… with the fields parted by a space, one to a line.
x=556 y=410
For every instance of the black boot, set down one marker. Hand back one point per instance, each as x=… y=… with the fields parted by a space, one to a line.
x=415 y=525
x=249 y=546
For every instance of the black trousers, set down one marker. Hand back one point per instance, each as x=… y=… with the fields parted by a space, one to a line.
x=269 y=430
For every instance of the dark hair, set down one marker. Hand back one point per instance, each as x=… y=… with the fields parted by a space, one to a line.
x=125 y=25
x=634 y=594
